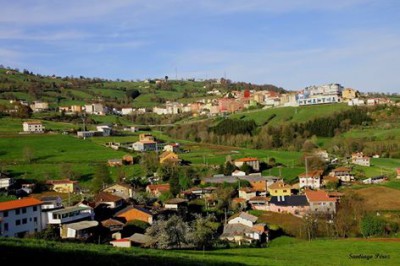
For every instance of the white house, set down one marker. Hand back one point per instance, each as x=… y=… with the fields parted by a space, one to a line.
x=68 y=215
x=312 y=179
x=104 y=129
x=127 y=111
x=359 y=159
x=79 y=230
x=33 y=126
x=6 y=181
x=19 y=217
x=244 y=218
x=145 y=145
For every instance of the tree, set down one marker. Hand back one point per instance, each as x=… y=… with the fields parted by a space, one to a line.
x=372 y=225
x=175 y=187
x=203 y=231
x=229 y=168
x=150 y=162
x=23 y=111
x=348 y=215
x=171 y=233
x=133 y=94
x=101 y=177
x=246 y=168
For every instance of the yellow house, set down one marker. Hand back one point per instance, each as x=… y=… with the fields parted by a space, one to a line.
x=169 y=157
x=279 y=189
x=348 y=94
x=63 y=186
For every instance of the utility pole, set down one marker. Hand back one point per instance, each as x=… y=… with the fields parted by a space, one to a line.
x=305 y=158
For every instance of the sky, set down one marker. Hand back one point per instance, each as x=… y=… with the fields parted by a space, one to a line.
x=287 y=43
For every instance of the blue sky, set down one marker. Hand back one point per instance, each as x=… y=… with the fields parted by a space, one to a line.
x=288 y=43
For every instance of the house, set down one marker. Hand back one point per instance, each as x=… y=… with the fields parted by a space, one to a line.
x=259 y=203
x=63 y=186
x=113 y=225
x=146 y=137
x=132 y=213
x=296 y=204
x=105 y=130
x=196 y=192
x=175 y=204
x=173 y=147
x=33 y=126
x=121 y=243
x=247 y=193
x=375 y=180
x=253 y=162
x=114 y=162
x=112 y=201
x=398 y=173
x=19 y=217
x=238 y=173
x=243 y=218
x=311 y=179
x=95 y=108
x=320 y=202
x=157 y=190
x=169 y=157
x=71 y=214
x=124 y=191
x=258 y=183
x=38 y=106
x=127 y=110
x=51 y=202
x=140 y=239
x=280 y=189
x=343 y=173
x=85 y=134
x=6 y=181
x=239 y=203
x=241 y=229
x=145 y=145
x=359 y=159
x=79 y=230
x=349 y=94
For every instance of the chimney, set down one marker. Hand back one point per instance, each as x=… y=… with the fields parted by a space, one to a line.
x=279 y=198
x=283 y=198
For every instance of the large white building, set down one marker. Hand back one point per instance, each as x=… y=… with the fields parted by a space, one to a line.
x=19 y=217
x=330 y=93
x=33 y=126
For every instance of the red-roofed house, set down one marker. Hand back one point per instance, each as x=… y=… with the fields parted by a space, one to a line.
x=359 y=159
x=32 y=126
x=253 y=162
x=320 y=201
x=157 y=190
x=343 y=173
x=19 y=217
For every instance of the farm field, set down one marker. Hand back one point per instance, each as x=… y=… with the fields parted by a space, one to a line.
x=282 y=251
x=290 y=114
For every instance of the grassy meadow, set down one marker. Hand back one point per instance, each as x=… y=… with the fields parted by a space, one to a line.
x=281 y=251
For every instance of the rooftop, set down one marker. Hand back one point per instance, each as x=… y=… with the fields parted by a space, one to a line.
x=319 y=195
x=82 y=225
x=296 y=200
x=312 y=174
x=71 y=209
x=19 y=203
x=106 y=197
x=247 y=159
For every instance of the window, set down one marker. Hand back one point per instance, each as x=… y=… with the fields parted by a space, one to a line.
x=35 y=219
x=17 y=222
x=17 y=211
x=5 y=214
x=24 y=221
x=5 y=227
x=23 y=210
x=34 y=208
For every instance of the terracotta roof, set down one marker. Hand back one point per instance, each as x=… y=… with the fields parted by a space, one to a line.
x=57 y=182
x=131 y=208
x=147 y=142
x=175 y=201
x=259 y=198
x=160 y=187
x=342 y=169
x=247 y=159
x=247 y=189
x=20 y=203
x=279 y=185
x=106 y=197
x=318 y=195
x=120 y=240
x=111 y=222
x=312 y=174
x=238 y=200
x=33 y=122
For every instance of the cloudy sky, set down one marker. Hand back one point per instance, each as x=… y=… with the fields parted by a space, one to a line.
x=288 y=43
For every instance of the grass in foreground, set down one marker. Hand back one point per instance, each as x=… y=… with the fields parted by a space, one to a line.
x=282 y=251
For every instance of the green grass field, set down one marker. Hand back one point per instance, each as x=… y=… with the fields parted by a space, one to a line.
x=290 y=114
x=282 y=251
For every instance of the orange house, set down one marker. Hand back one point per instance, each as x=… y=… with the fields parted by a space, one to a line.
x=169 y=157
x=135 y=213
